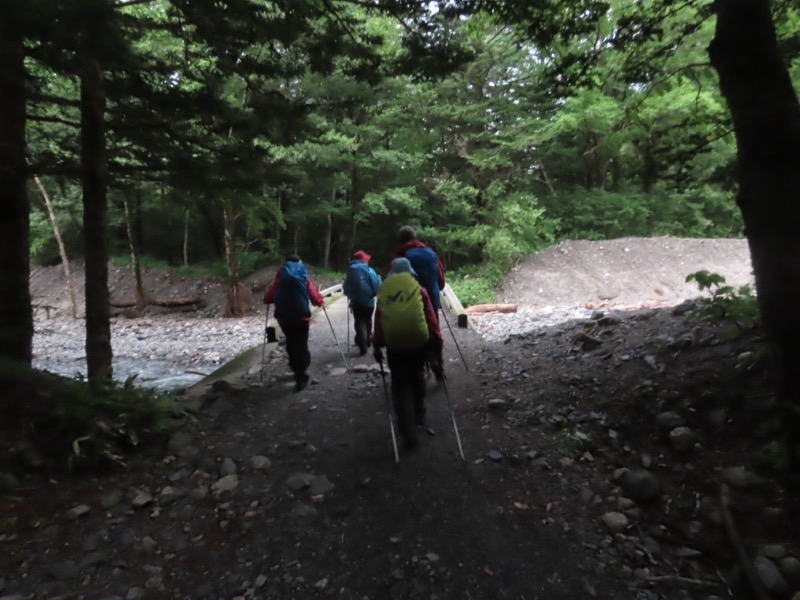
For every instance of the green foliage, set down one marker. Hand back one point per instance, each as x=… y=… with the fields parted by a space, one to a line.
x=726 y=304
x=250 y=262
x=193 y=271
x=145 y=261
x=473 y=286
x=71 y=428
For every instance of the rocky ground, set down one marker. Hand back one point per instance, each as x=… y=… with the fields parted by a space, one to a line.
x=623 y=453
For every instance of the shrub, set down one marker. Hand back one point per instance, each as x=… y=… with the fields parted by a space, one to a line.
x=737 y=306
x=474 y=288
x=68 y=427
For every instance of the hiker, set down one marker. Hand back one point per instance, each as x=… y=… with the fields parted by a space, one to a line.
x=361 y=286
x=405 y=322
x=430 y=274
x=291 y=293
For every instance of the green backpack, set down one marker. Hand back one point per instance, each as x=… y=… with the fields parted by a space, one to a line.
x=402 y=313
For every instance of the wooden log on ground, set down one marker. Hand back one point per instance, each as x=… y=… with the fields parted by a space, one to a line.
x=122 y=303
x=455 y=305
x=492 y=308
x=170 y=302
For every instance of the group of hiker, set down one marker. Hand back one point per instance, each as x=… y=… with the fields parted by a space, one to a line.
x=406 y=308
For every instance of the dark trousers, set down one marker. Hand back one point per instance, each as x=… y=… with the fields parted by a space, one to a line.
x=296 y=333
x=408 y=389
x=362 y=324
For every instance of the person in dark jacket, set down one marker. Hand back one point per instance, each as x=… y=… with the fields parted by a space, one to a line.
x=430 y=274
x=361 y=286
x=408 y=244
x=406 y=323
x=292 y=292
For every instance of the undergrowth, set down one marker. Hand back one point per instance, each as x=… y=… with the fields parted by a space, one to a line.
x=52 y=424
x=725 y=304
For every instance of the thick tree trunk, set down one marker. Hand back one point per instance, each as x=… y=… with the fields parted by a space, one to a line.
x=62 y=251
x=16 y=316
x=766 y=121
x=138 y=292
x=236 y=304
x=94 y=173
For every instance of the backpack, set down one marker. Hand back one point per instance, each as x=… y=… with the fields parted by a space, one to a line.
x=402 y=313
x=426 y=265
x=359 y=286
x=291 y=295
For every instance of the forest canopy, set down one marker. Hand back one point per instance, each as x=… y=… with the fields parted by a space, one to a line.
x=313 y=132
x=233 y=131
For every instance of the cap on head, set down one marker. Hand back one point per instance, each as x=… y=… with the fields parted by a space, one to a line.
x=402 y=265
x=406 y=233
x=293 y=258
x=362 y=256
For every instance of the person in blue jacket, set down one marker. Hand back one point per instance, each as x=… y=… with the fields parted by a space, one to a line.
x=361 y=286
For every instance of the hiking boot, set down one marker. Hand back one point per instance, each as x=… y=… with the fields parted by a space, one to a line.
x=301 y=382
x=419 y=412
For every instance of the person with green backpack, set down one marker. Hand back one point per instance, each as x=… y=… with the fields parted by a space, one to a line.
x=361 y=286
x=406 y=323
x=292 y=292
x=430 y=274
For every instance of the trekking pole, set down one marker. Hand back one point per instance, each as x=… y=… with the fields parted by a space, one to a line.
x=452 y=414
x=348 y=326
x=334 y=337
x=389 y=406
x=466 y=368
x=264 y=349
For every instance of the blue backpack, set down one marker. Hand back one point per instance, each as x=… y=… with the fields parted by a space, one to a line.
x=359 y=286
x=426 y=265
x=291 y=295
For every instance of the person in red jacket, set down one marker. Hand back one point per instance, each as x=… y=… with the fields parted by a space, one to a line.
x=292 y=292
x=430 y=274
x=408 y=241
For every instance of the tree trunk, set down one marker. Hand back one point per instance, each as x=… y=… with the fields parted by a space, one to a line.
x=16 y=315
x=326 y=250
x=186 y=239
x=766 y=121
x=94 y=173
x=51 y=215
x=235 y=304
x=649 y=168
x=138 y=293
x=277 y=224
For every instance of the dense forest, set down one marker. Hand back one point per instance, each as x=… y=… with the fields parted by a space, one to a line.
x=228 y=132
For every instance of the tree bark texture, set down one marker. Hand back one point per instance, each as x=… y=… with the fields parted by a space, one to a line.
x=766 y=121
x=186 y=239
x=95 y=209
x=62 y=251
x=326 y=241
x=236 y=302
x=138 y=292
x=16 y=315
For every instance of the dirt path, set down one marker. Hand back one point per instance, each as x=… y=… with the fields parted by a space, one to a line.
x=269 y=493
x=331 y=516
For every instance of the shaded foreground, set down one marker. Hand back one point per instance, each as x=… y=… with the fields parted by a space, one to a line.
x=275 y=494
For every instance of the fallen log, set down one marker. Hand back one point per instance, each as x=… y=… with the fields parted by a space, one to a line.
x=492 y=308
x=122 y=303
x=166 y=302
x=169 y=302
